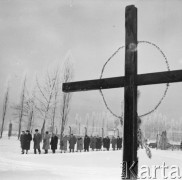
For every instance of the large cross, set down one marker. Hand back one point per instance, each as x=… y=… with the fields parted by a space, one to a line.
x=130 y=82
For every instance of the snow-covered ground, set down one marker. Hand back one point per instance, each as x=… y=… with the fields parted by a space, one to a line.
x=72 y=166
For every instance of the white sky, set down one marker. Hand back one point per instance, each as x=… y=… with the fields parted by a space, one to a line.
x=36 y=34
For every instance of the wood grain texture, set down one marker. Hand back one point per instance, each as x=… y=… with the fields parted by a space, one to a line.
x=130 y=91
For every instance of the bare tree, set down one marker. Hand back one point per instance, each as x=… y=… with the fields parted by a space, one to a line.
x=25 y=108
x=55 y=105
x=66 y=97
x=22 y=100
x=93 y=122
x=87 y=119
x=31 y=110
x=46 y=96
x=5 y=104
x=103 y=126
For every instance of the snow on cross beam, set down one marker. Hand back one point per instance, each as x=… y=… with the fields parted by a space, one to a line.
x=130 y=82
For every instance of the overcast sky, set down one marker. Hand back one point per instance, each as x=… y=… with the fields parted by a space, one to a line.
x=37 y=34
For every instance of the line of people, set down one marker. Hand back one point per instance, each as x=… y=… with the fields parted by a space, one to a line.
x=92 y=142
x=26 y=138
x=79 y=143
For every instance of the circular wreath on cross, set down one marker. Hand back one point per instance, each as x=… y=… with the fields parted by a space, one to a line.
x=167 y=84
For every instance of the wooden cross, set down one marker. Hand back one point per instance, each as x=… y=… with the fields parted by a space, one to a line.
x=130 y=82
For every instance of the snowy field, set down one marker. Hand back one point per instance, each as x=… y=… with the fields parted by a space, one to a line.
x=74 y=166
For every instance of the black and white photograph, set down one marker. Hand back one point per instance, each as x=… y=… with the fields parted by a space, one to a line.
x=90 y=89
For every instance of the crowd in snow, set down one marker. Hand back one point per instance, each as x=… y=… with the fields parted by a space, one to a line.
x=67 y=143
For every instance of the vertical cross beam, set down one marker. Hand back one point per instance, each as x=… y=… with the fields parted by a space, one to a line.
x=130 y=94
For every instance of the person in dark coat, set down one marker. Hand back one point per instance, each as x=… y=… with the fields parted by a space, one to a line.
x=119 y=143
x=113 y=142
x=37 y=140
x=92 y=142
x=86 y=143
x=104 y=143
x=54 y=142
x=72 y=142
x=22 y=141
x=107 y=141
x=181 y=145
x=28 y=138
x=98 y=143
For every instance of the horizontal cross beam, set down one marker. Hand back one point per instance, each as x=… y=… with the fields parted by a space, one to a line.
x=117 y=82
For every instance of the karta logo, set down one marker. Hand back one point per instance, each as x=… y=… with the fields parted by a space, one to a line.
x=153 y=172
x=127 y=171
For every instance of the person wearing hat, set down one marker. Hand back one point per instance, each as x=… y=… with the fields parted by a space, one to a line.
x=28 y=138
x=79 y=144
x=113 y=142
x=22 y=141
x=63 y=143
x=46 y=142
x=72 y=142
x=86 y=143
x=37 y=139
x=107 y=141
x=54 y=142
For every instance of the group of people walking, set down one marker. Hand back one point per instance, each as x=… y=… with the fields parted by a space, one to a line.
x=48 y=141
x=92 y=142
x=67 y=142
x=25 y=140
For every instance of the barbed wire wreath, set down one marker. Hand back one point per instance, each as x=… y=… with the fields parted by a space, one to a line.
x=164 y=94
